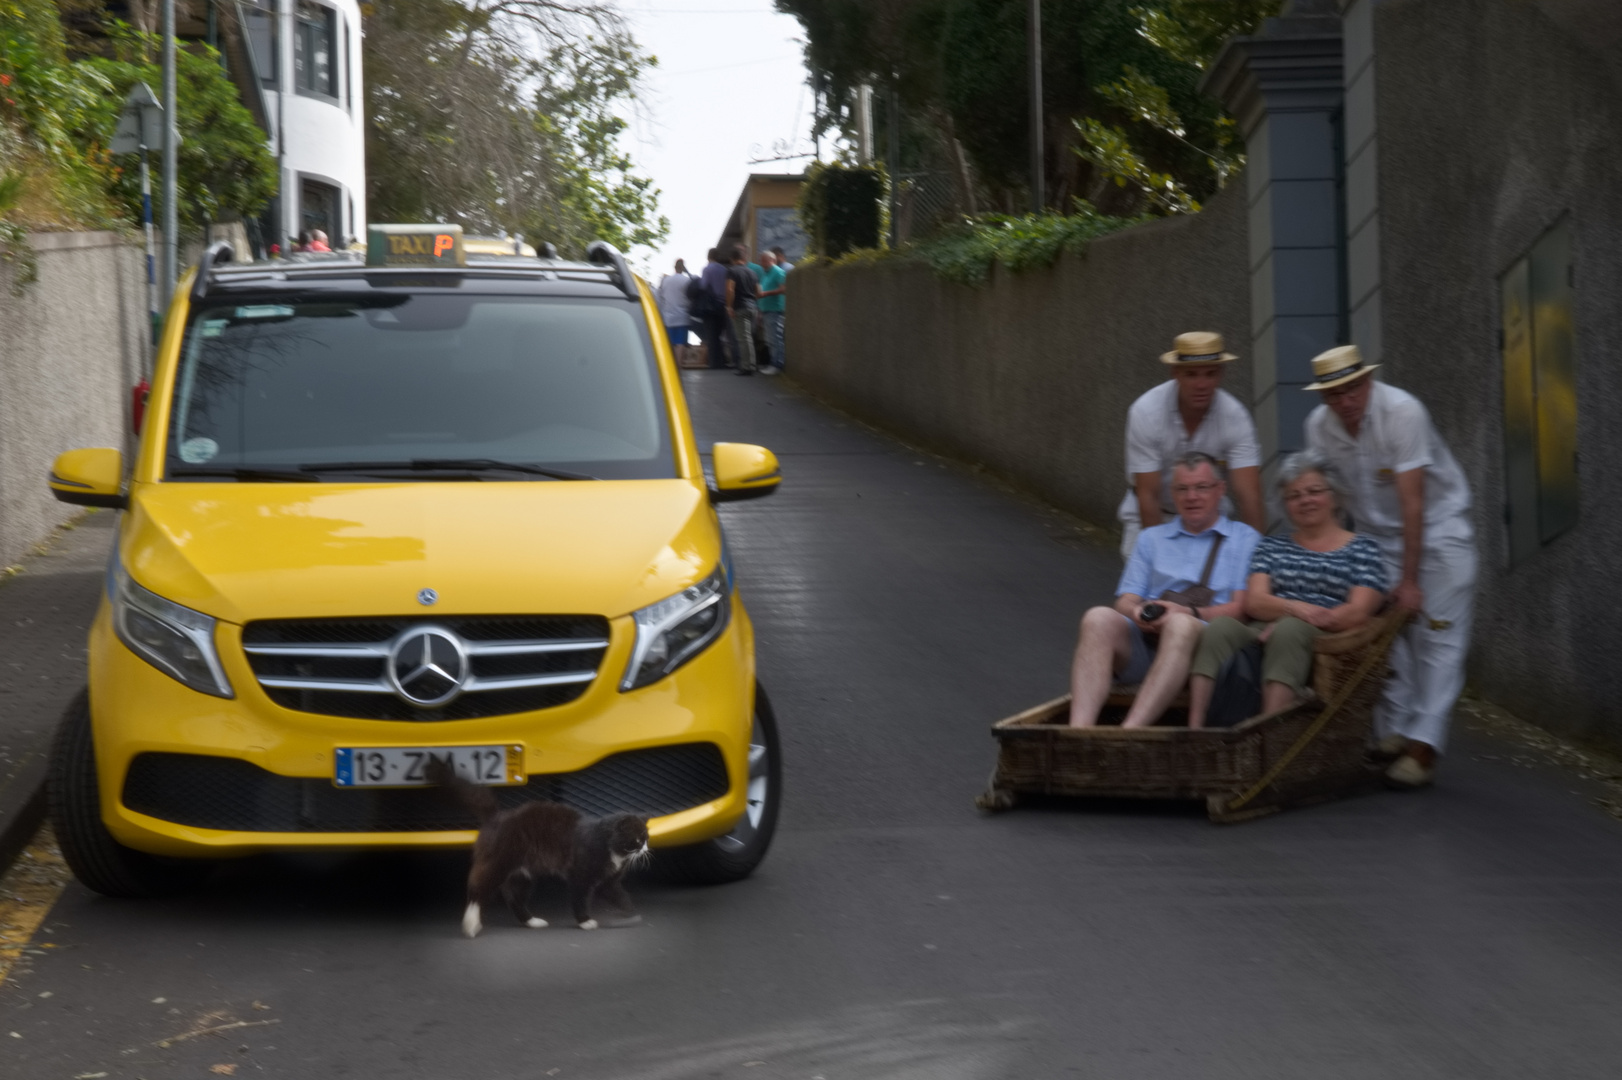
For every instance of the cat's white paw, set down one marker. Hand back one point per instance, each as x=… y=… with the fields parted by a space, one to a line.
x=470 y=921
x=536 y=924
x=589 y=924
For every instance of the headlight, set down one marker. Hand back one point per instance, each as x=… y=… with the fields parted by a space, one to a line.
x=673 y=631
x=176 y=640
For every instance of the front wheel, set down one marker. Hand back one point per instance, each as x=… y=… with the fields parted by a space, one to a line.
x=734 y=856
x=97 y=860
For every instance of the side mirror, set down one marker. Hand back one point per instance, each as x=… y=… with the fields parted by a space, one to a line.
x=90 y=478
x=743 y=471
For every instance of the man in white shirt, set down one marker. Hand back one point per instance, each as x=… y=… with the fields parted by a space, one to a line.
x=1191 y=413
x=1409 y=494
x=672 y=297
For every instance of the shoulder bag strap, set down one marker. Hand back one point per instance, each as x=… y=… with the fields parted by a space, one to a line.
x=1210 y=561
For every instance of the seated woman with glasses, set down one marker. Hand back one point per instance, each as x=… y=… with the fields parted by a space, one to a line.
x=1320 y=579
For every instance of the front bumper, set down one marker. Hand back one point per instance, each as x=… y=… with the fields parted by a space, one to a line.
x=220 y=777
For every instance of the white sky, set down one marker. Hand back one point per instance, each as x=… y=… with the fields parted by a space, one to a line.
x=729 y=85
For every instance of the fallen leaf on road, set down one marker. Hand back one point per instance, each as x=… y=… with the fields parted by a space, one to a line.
x=223 y=1070
x=90 y=1076
x=260 y=1005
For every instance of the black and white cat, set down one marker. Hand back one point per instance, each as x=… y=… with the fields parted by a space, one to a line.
x=591 y=855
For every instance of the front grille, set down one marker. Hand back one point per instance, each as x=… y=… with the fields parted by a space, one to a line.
x=229 y=793
x=338 y=667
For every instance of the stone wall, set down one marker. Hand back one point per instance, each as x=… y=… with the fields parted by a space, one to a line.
x=1474 y=166
x=1032 y=374
x=71 y=346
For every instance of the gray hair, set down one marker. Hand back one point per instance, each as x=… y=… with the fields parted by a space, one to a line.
x=1194 y=459
x=1302 y=462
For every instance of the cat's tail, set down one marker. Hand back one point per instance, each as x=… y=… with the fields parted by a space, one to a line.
x=478 y=799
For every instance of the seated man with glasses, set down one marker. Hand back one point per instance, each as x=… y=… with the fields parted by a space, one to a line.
x=1181 y=574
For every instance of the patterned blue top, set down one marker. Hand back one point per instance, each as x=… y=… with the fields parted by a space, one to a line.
x=1324 y=578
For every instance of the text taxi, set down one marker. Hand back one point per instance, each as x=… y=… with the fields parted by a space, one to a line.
x=428 y=504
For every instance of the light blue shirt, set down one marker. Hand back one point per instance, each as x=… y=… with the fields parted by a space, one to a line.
x=1170 y=558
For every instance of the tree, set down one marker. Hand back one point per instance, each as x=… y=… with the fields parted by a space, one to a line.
x=1125 y=126
x=226 y=170
x=499 y=115
x=57 y=120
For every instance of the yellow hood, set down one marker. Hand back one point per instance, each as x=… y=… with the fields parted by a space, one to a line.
x=256 y=551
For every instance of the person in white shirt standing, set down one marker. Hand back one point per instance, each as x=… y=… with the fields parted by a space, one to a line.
x=1191 y=413
x=1409 y=494
x=673 y=309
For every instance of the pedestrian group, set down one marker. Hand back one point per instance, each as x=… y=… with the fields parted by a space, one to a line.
x=735 y=306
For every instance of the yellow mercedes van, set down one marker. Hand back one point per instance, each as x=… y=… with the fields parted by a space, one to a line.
x=424 y=504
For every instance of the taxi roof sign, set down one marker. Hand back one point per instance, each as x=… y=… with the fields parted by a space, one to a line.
x=415 y=245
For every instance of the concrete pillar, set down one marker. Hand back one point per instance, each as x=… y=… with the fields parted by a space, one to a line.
x=1284 y=87
x=1362 y=181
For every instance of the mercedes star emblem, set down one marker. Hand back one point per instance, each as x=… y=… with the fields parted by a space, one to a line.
x=428 y=666
x=427 y=597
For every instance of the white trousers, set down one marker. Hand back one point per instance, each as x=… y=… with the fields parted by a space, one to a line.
x=1427 y=659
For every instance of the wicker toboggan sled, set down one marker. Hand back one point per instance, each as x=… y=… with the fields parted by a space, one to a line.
x=1311 y=752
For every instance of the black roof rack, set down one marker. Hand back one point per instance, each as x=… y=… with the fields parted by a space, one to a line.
x=220 y=251
x=605 y=254
x=218 y=266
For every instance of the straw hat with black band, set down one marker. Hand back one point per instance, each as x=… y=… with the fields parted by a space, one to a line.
x=1197 y=347
x=1338 y=366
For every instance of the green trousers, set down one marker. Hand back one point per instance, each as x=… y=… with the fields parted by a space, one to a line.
x=1286 y=658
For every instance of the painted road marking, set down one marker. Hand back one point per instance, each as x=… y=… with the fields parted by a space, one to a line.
x=28 y=892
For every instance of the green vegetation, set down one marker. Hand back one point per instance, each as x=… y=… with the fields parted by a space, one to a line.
x=50 y=177
x=226 y=170
x=844 y=208
x=501 y=116
x=966 y=253
x=57 y=117
x=1126 y=128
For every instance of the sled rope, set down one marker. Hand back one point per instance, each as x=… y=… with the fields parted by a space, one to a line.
x=1382 y=645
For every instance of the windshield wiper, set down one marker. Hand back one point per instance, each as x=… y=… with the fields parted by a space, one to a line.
x=248 y=474
x=444 y=465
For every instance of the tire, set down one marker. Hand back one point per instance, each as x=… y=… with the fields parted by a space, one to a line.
x=734 y=856
x=97 y=860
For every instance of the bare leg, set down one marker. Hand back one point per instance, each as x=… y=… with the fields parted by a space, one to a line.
x=1277 y=695
x=1103 y=649
x=1167 y=675
x=1201 y=688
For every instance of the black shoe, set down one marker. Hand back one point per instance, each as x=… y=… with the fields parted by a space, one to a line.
x=742 y=371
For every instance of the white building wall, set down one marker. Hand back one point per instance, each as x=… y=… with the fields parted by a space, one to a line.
x=317 y=137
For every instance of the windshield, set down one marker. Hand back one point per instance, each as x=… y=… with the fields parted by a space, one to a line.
x=389 y=378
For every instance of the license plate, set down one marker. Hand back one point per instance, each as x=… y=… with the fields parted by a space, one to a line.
x=402 y=766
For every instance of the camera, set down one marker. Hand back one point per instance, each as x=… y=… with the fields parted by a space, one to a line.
x=1152 y=611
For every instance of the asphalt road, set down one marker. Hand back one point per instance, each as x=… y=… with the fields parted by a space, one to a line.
x=903 y=604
